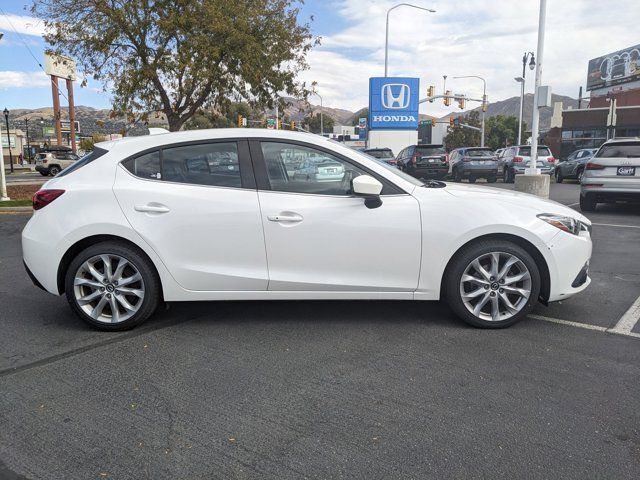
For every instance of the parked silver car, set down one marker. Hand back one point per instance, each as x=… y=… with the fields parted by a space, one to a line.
x=573 y=166
x=473 y=163
x=613 y=174
x=515 y=159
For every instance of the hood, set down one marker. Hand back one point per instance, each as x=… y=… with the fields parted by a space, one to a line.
x=516 y=199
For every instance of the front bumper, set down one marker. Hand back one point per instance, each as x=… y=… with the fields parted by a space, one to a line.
x=568 y=267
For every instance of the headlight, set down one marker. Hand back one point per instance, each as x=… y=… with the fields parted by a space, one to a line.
x=567 y=224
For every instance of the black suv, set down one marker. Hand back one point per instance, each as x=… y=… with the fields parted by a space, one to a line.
x=424 y=161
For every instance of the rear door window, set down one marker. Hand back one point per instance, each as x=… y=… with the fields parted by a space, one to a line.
x=213 y=164
x=145 y=166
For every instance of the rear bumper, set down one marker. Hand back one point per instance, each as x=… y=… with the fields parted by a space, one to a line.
x=479 y=170
x=543 y=170
x=609 y=194
x=419 y=172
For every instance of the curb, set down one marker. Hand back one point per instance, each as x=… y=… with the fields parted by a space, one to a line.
x=15 y=209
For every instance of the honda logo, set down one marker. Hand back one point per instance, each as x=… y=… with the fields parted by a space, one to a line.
x=395 y=96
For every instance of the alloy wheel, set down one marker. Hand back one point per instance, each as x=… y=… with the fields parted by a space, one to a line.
x=495 y=286
x=109 y=288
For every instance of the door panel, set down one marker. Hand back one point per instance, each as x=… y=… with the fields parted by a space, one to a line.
x=210 y=238
x=336 y=243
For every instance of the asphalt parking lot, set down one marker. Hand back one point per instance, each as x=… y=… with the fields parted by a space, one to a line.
x=327 y=389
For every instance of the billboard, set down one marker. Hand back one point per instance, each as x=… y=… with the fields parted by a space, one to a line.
x=59 y=66
x=614 y=68
x=393 y=103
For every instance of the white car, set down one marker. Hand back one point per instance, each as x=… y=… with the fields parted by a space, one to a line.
x=149 y=219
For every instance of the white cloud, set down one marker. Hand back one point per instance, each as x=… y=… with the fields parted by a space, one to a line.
x=13 y=79
x=22 y=24
x=474 y=37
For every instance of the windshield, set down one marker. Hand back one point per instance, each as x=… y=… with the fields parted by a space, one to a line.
x=430 y=150
x=542 y=152
x=392 y=169
x=624 y=150
x=479 y=152
x=97 y=153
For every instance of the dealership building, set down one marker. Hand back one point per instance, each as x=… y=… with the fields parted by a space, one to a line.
x=611 y=111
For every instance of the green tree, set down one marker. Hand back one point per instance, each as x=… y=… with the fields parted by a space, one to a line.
x=312 y=122
x=180 y=56
x=226 y=118
x=459 y=136
x=501 y=131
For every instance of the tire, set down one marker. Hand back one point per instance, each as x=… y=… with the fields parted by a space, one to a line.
x=559 y=176
x=457 y=176
x=461 y=264
x=53 y=171
x=588 y=203
x=148 y=286
x=493 y=179
x=472 y=179
x=579 y=175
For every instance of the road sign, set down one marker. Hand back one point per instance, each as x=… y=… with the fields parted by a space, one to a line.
x=393 y=103
x=271 y=123
x=65 y=126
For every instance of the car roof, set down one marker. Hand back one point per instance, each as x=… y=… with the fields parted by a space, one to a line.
x=622 y=140
x=150 y=141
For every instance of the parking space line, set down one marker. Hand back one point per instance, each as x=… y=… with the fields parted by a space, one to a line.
x=629 y=319
x=574 y=204
x=615 y=225
x=587 y=326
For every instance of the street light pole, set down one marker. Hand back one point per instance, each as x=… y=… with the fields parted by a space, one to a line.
x=26 y=122
x=536 y=112
x=386 y=36
x=484 y=95
x=6 y=119
x=532 y=64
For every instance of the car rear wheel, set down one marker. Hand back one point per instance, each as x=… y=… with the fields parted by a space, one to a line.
x=112 y=286
x=559 y=176
x=587 y=203
x=492 y=284
x=580 y=172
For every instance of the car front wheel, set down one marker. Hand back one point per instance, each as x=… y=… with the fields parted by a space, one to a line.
x=112 y=286
x=53 y=171
x=492 y=284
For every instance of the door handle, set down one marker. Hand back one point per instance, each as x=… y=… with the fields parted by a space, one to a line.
x=151 y=208
x=285 y=217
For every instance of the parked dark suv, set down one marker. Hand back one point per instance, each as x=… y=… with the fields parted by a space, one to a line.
x=424 y=161
x=473 y=163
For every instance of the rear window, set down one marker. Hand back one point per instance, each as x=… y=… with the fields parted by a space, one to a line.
x=97 y=153
x=624 y=150
x=431 y=150
x=479 y=152
x=380 y=153
x=542 y=152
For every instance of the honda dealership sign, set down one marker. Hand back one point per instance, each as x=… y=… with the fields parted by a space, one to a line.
x=393 y=103
x=615 y=68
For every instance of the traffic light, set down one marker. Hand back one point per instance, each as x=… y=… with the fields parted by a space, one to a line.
x=240 y=121
x=293 y=125
x=461 y=102
x=484 y=103
x=447 y=99
x=431 y=91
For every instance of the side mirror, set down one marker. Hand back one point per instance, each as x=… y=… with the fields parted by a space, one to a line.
x=368 y=187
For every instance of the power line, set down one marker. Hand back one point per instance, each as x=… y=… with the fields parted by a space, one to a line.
x=30 y=51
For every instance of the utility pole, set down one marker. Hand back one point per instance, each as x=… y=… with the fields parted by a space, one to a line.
x=535 y=123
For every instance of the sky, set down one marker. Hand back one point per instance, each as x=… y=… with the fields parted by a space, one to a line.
x=463 y=37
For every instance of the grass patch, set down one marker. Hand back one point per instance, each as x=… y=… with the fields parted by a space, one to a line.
x=15 y=203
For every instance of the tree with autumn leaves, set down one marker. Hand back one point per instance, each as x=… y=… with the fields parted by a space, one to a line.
x=180 y=56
